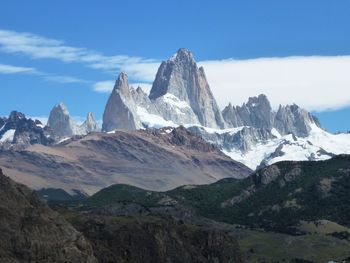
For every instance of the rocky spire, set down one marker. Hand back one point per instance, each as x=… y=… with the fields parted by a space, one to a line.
x=120 y=111
x=181 y=77
x=295 y=120
x=61 y=122
x=256 y=112
x=90 y=124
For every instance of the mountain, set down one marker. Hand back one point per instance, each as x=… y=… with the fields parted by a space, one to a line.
x=90 y=124
x=277 y=197
x=64 y=126
x=32 y=232
x=120 y=111
x=256 y=113
x=286 y=212
x=291 y=119
x=252 y=133
x=61 y=122
x=179 y=81
x=152 y=159
x=260 y=136
x=17 y=131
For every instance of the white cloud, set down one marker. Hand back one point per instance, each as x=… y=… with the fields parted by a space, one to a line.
x=316 y=83
x=105 y=86
x=9 y=69
x=65 y=79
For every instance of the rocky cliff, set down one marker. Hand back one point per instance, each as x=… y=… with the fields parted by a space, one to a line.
x=181 y=78
x=32 y=232
x=120 y=111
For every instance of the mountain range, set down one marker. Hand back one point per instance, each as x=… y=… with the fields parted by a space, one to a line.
x=252 y=133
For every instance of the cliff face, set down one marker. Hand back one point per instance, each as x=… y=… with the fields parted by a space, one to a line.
x=32 y=232
x=186 y=84
x=120 y=111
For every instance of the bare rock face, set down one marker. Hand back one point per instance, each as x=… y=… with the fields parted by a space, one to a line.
x=120 y=111
x=295 y=120
x=32 y=232
x=256 y=113
x=17 y=131
x=62 y=123
x=181 y=77
x=90 y=124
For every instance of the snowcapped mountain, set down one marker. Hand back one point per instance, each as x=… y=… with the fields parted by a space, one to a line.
x=253 y=133
x=21 y=131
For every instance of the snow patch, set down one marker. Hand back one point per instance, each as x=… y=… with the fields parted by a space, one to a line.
x=8 y=136
x=152 y=120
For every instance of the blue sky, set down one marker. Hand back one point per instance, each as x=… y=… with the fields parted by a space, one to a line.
x=52 y=51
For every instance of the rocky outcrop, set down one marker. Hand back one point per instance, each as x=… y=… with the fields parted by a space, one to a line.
x=295 y=120
x=155 y=239
x=19 y=131
x=90 y=124
x=256 y=113
x=121 y=111
x=32 y=232
x=61 y=122
x=181 y=77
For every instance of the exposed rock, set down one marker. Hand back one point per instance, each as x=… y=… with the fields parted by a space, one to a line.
x=181 y=77
x=295 y=120
x=90 y=124
x=256 y=113
x=155 y=239
x=120 y=111
x=61 y=122
x=32 y=232
x=24 y=131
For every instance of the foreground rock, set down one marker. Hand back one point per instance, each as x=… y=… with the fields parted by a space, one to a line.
x=155 y=239
x=32 y=232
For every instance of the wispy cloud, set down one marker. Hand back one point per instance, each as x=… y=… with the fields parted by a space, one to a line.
x=103 y=86
x=9 y=69
x=65 y=79
x=39 y=47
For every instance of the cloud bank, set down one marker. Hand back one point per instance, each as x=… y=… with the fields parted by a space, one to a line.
x=317 y=83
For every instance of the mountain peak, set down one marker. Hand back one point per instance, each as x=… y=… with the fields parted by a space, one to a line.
x=181 y=77
x=183 y=55
x=120 y=110
x=122 y=83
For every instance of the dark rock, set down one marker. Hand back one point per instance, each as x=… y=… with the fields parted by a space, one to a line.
x=32 y=232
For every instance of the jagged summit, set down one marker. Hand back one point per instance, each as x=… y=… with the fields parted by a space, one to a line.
x=180 y=76
x=90 y=124
x=257 y=112
x=61 y=122
x=295 y=120
x=63 y=125
x=120 y=111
